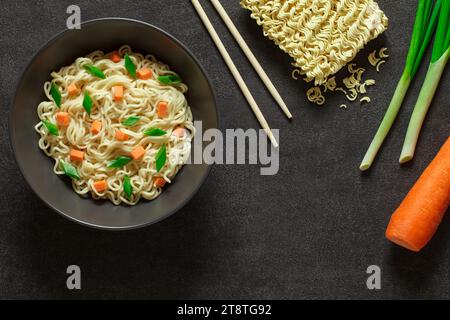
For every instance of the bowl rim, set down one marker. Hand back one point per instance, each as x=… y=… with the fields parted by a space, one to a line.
x=12 y=107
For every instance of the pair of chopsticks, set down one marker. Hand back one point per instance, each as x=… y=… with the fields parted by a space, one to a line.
x=250 y=56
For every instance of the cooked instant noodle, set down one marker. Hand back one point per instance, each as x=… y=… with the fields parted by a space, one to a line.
x=322 y=36
x=118 y=124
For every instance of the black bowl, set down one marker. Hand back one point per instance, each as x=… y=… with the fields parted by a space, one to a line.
x=37 y=168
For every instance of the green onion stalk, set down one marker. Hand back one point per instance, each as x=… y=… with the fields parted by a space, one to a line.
x=439 y=59
x=424 y=25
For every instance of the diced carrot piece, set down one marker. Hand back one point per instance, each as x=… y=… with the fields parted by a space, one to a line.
x=121 y=136
x=100 y=186
x=117 y=93
x=144 y=74
x=162 y=109
x=73 y=90
x=137 y=153
x=160 y=182
x=96 y=127
x=115 y=56
x=62 y=119
x=179 y=132
x=76 y=155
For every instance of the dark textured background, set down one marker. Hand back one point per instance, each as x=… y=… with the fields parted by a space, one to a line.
x=309 y=232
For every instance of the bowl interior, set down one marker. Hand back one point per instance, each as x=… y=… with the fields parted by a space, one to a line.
x=37 y=168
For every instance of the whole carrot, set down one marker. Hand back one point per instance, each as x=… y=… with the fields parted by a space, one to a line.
x=415 y=221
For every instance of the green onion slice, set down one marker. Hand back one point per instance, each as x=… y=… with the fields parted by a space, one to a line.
x=131 y=121
x=129 y=65
x=87 y=102
x=161 y=158
x=53 y=129
x=155 y=132
x=56 y=94
x=70 y=170
x=119 y=162
x=127 y=187
x=96 y=72
x=169 y=79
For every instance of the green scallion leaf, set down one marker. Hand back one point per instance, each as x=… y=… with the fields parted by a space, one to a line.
x=119 y=162
x=127 y=187
x=424 y=25
x=129 y=65
x=70 y=170
x=169 y=79
x=96 y=72
x=430 y=25
x=131 y=121
x=161 y=158
x=87 y=102
x=439 y=59
x=56 y=94
x=442 y=30
x=53 y=129
x=155 y=132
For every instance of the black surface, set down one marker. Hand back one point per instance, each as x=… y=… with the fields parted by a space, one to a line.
x=309 y=232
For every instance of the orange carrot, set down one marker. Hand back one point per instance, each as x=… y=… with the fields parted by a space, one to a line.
x=121 y=136
x=117 y=93
x=76 y=155
x=160 y=182
x=415 y=221
x=100 y=186
x=115 y=56
x=96 y=127
x=144 y=74
x=62 y=119
x=73 y=90
x=137 y=153
x=162 y=109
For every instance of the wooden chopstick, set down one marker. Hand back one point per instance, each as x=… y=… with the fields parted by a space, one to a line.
x=237 y=76
x=251 y=57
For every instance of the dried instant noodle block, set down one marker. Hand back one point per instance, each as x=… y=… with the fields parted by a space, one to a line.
x=322 y=36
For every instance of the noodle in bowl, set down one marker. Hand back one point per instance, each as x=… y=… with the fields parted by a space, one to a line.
x=148 y=135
